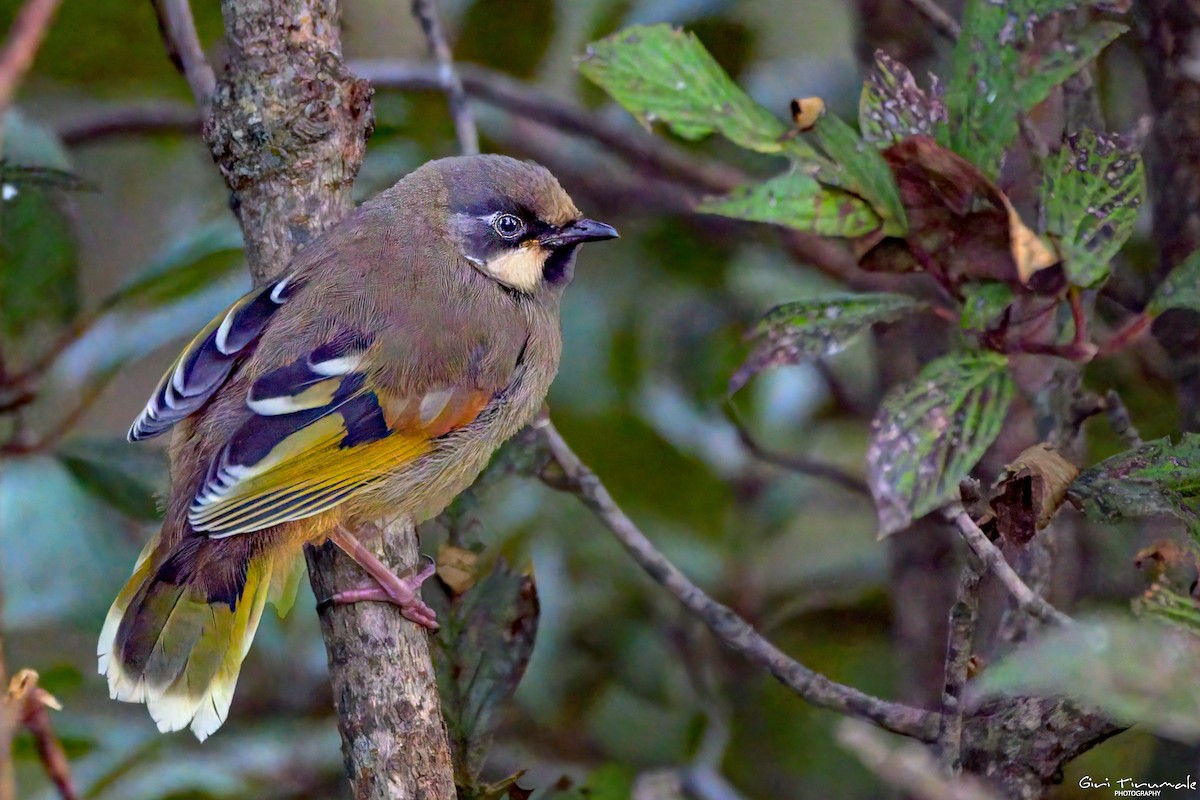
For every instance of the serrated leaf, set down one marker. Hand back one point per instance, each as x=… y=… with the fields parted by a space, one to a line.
x=984 y=305
x=995 y=80
x=1138 y=671
x=931 y=431
x=192 y=262
x=797 y=200
x=858 y=167
x=128 y=479
x=818 y=328
x=1160 y=477
x=1180 y=289
x=1165 y=604
x=1092 y=191
x=658 y=72
x=892 y=107
x=38 y=282
x=480 y=654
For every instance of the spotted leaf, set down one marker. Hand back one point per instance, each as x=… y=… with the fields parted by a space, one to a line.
x=1091 y=193
x=931 y=431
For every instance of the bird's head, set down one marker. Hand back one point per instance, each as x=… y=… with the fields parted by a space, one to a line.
x=512 y=221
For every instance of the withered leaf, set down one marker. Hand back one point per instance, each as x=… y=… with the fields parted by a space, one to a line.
x=1030 y=492
x=457 y=567
x=480 y=654
x=961 y=227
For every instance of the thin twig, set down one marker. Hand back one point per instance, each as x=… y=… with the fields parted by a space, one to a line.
x=937 y=16
x=178 y=29
x=22 y=44
x=149 y=117
x=798 y=463
x=911 y=768
x=1119 y=419
x=499 y=90
x=1027 y=600
x=729 y=627
x=464 y=123
x=960 y=639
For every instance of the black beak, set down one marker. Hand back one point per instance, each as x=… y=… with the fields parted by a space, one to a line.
x=584 y=230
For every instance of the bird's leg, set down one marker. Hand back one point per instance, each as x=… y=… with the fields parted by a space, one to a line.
x=390 y=587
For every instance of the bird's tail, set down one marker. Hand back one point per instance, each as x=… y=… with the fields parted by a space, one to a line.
x=175 y=637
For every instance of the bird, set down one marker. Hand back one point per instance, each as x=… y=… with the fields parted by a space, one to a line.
x=373 y=378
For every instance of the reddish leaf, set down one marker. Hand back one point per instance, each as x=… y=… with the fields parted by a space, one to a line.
x=961 y=227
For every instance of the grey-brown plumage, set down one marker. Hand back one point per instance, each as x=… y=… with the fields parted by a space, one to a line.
x=374 y=378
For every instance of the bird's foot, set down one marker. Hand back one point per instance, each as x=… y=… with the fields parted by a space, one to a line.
x=400 y=590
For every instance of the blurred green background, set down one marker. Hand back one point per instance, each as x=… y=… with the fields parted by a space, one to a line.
x=622 y=682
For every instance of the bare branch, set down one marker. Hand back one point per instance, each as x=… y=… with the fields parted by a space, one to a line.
x=729 y=627
x=464 y=122
x=151 y=117
x=911 y=768
x=1027 y=600
x=21 y=46
x=937 y=16
x=959 y=642
x=178 y=29
x=800 y=464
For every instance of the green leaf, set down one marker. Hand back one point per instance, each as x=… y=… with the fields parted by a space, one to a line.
x=660 y=73
x=189 y=264
x=1180 y=289
x=892 y=107
x=127 y=478
x=994 y=80
x=860 y=168
x=795 y=199
x=984 y=305
x=37 y=262
x=931 y=431
x=1163 y=603
x=1138 y=671
x=1092 y=191
x=1160 y=477
x=480 y=654
x=818 y=327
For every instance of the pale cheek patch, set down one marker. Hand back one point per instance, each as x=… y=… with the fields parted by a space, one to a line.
x=520 y=268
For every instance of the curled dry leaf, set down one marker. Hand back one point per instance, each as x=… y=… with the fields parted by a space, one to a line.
x=806 y=111
x=458 y=568
x=961 y=226
x=1030 y=492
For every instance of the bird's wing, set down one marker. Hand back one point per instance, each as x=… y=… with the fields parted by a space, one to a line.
x=321 y=429
x=209 y=358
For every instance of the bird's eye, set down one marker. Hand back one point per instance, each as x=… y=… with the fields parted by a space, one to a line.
x=508 y=226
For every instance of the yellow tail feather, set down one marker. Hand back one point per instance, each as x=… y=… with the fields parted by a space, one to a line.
x=192 y=651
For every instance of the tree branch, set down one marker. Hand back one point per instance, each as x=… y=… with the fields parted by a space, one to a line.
x=21 y=46
x=1027 y=600
x=287 y=91
x=937 y=16
x=464 y=123
x=911 y=768
x=802 y=465
x=178 y=29
x=960 y=640
x=730 y=628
